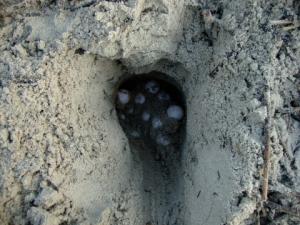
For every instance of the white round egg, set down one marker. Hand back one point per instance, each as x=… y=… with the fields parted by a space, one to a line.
x=156 y=122
x=163 y=96
x=139 y=99
x=123 y=96
x=175 y=112
x=135 y=134
x=163 y=140
x=146 y=116
x=152 y=87
x=122 y=116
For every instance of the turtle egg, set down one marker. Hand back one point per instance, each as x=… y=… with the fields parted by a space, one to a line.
x=140 y=98
x=146 y=116
x=156 y=122
x=164 y=96
x=130 y=110
x=163 y=140
x=135 y=134
x=123 y=96
x=122 y=116
x=152 y=87
x=175 y=112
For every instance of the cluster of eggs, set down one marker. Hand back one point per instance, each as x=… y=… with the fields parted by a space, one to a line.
x=150 y=111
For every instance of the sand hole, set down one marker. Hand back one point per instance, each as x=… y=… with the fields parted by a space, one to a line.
x=152 y=113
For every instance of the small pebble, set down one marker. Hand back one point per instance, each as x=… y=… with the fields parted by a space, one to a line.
x=152 y=87
x=146 y=116
x=123 y=96
x=175 y=112
x=140 y=98
x=156 y=122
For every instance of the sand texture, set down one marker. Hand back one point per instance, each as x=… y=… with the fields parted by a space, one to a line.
x=66 y=160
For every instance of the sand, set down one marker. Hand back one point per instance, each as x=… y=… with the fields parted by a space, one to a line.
x=64 y=158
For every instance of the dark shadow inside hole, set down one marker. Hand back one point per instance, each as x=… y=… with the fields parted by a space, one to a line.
x=156 y=140
x=151 y=109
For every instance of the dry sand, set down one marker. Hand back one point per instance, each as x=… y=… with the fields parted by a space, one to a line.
x=64 y=158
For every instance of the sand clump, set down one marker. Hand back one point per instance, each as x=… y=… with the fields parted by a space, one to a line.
x=64 y=158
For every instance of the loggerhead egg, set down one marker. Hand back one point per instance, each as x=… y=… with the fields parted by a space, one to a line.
x=175 y=112
x=139 y=99
x=156 y=122
x=146 y=116
x=135 y=134
x=164 y=96
x=122 y=116
x=163 y=140
x=152 y=87
x=123 y=96
x=130 y=110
